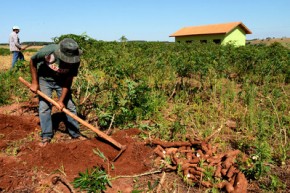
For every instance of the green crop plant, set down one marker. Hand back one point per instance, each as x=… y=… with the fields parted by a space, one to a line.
x=9 y=82
x=4 y=96
x=259 y=161
x=208 y=174
x=275 y=184
x=94 y=181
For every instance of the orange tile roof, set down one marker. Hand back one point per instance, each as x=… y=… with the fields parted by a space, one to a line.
x=210 y=29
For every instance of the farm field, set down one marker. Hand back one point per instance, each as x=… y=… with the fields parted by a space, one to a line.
x=199 y=102
x=268 y=41
x=5 y=61
x=36 y=169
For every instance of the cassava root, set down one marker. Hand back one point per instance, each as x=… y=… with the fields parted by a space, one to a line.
x=194 y=157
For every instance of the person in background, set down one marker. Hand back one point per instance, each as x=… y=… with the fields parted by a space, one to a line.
x=15 y=46
x=53 y=68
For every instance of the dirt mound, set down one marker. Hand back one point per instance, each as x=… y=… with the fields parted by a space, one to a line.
x=26 y=166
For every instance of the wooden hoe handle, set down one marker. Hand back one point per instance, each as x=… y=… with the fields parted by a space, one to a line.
x=99 y=133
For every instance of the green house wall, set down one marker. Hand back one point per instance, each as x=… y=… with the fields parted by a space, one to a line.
x=237 y=37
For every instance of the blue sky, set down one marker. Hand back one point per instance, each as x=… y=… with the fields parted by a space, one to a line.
x=150 y=20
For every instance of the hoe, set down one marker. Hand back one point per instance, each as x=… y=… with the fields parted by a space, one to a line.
x=99 y=133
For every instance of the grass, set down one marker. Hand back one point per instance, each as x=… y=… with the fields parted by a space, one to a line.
x=13 y=147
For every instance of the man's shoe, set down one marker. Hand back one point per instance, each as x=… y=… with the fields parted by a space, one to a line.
x=44 y=142
x=82 y=138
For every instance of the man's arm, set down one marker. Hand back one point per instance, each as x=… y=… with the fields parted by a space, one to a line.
x=65 y=89
x=33 y=70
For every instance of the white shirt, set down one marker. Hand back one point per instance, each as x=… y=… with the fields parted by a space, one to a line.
x=14 y=42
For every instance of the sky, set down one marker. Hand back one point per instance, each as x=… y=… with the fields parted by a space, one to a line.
x=149 y=20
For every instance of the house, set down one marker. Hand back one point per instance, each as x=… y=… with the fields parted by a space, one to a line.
x=234 y=32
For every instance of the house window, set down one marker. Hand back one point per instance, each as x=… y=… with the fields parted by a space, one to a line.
x=203 y=41
x=217 y=41
x=188 y=41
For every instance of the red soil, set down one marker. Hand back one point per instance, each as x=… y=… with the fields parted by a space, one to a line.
x=27 y=167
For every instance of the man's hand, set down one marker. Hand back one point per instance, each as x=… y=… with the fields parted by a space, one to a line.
x=34 y=87
x=60 y=105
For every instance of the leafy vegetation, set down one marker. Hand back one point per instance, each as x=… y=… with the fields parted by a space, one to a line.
x=11 y=90
x=170 y=90
x=94 y=181
x=4 y=52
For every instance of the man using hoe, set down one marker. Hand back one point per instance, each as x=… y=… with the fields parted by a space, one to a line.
x=15 y=46
x=53 y=67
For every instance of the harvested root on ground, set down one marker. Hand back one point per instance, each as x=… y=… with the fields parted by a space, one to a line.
x=196 y=157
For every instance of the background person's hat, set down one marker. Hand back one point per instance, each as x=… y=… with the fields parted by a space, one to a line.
x=68 y=51
x=15 y=27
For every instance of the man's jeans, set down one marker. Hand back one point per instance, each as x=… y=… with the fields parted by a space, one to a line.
x=47 y=87
x=15 y=56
